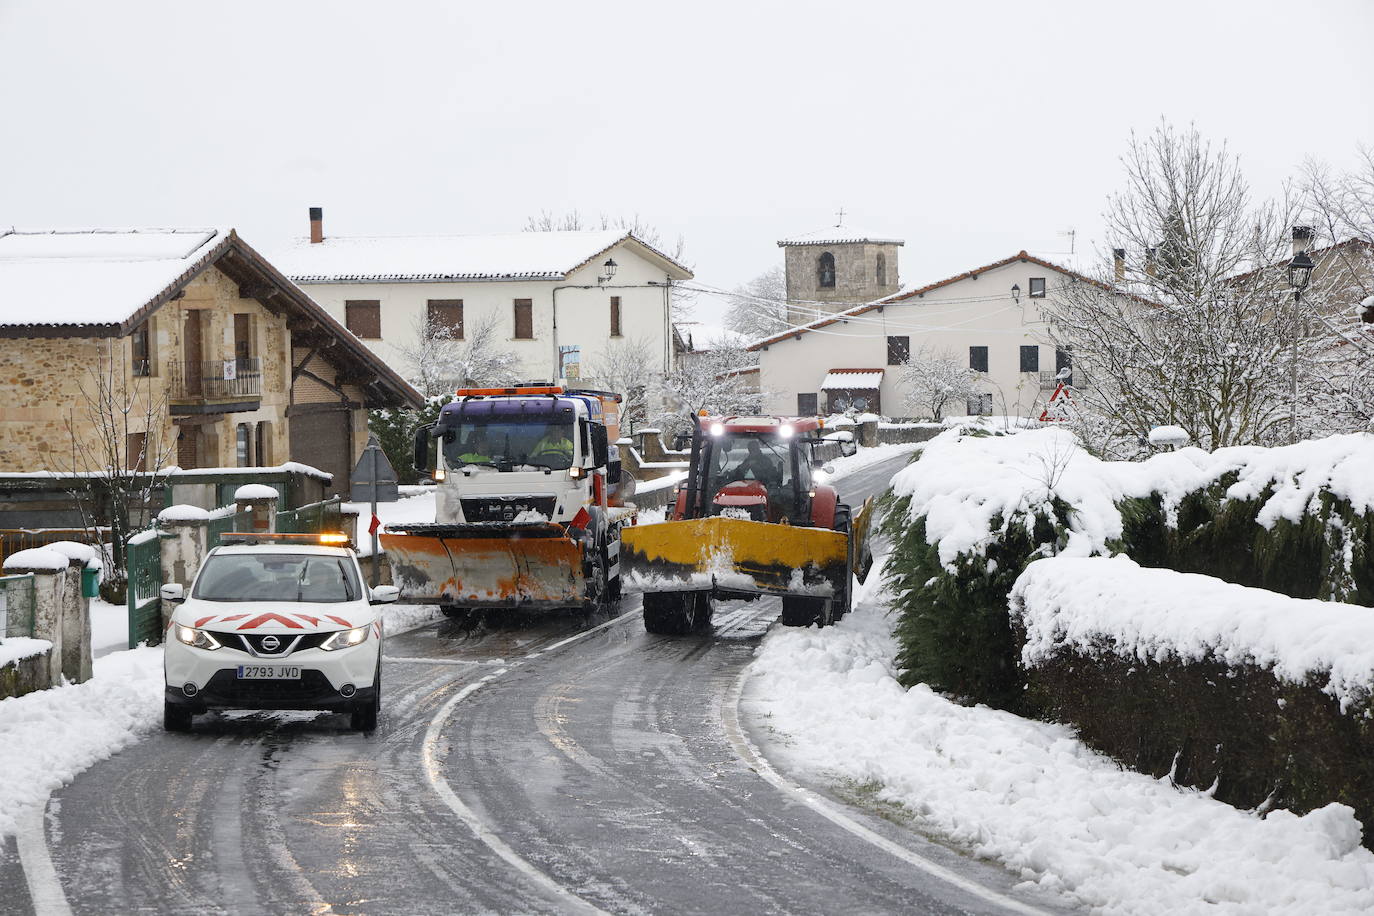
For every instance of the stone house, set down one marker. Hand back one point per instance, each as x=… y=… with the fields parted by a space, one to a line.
x=148 y=348
x=560 y=302
x=990 y=316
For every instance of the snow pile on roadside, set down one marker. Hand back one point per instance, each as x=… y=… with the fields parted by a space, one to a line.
x=48 y=737
x=963 y=482
x=407 y=510
x=865 y=457
x=1110 y=604
x=1030 y=795
x=398 y=618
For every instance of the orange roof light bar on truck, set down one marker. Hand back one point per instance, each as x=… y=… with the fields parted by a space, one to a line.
x=323 y=538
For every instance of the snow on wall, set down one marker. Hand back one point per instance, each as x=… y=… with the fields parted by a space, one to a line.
x=1092 y=605
x=963 y=482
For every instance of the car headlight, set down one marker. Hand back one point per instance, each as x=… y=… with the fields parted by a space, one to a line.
x=344 y=639
x=196 y=639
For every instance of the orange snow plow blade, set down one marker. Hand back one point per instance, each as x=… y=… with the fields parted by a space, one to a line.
x=486 y=565
x=733 y=555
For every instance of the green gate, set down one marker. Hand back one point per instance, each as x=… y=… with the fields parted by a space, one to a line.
x=312 y=519
x=221 y=525
x=143 y=561
x=16 y=605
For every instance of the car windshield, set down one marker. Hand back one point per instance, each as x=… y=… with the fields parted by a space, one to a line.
x=510 y=444
x=277 y=577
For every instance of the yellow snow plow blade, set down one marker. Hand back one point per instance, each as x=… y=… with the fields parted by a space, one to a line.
x=733 y=555
x=486 y=565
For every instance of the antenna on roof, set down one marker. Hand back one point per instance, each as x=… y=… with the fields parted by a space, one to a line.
x=840 y=217
x=1072 y=236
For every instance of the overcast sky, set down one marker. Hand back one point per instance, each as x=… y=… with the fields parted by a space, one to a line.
x=970 y=129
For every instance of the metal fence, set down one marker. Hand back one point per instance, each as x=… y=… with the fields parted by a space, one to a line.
x=221 y=378
x=221 y=525
x=143 y=562
x=13 y=540
x=16 y=605
x=326 y=515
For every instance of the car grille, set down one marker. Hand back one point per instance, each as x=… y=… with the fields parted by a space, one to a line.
x=313 y=689
x=505 y=508
x=252 y=642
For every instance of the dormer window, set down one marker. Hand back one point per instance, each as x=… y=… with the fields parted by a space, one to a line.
x=826 y=270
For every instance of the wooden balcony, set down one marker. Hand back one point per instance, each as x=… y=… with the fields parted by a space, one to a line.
x=217 y=386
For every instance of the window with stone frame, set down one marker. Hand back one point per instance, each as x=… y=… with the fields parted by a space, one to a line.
x=262 y=448
x=243 y=446
x=141 y=343
x=243 y=337
x=136 y=452
x=825 y=269
x=364 y=318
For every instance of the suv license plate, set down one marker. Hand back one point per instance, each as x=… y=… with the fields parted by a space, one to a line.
x=269 y=672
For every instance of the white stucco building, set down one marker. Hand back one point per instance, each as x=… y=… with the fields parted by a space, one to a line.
x=557 y=298
x=990 y=318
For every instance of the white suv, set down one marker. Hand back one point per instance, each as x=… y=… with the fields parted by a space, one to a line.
x=276 y=623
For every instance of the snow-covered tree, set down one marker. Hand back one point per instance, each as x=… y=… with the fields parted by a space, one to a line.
x=717 y=381
x=631 y=368
x=441 y=361
x=1191 y=337
x=758 y=308
x=932 y=380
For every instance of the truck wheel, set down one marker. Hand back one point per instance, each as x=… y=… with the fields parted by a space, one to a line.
x=844 y=601
x=176 y=718
x=798 y=611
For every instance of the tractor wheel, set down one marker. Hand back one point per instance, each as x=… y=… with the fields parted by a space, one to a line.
x=798 y=611
x=844 y=601
x=676 y=613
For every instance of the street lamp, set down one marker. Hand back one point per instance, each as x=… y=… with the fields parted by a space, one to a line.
x=608 y=271
x=1016 y=293
x=1299 y=273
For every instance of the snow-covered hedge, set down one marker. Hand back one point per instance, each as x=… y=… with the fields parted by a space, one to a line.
x=1261 y=699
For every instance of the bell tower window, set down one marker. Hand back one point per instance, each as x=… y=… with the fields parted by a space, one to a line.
x=826 y=270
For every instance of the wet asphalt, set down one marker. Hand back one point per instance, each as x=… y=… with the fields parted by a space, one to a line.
x=511 y=773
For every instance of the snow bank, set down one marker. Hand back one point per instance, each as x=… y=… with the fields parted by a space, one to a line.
x=48 y=737
x=1110 y=604
x=1033 y=797
x=37 y=558
x=255 y=491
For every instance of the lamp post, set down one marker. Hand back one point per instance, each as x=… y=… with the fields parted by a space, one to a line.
x=1299 y=272
x=607 y=271
x=1016 y=293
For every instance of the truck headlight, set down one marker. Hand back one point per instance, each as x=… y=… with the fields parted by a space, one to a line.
x=196 y=639
x=345 y=639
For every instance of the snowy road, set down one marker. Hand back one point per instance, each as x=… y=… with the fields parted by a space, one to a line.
x=543 y=769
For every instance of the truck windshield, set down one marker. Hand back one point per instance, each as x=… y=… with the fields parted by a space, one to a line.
x=510 y=444
x=276 y=577
x=766 y=459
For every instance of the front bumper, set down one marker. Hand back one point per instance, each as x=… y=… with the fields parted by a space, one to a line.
x=214 y=676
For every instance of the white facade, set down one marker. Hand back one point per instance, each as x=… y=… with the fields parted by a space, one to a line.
x=976 y=309
x=565 y=268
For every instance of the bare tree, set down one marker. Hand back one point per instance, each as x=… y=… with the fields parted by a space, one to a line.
x=1190 y=337
x=441 y=361
x=121 y=446
x=758 y=308
x=631 y=368
x=935 y=379
x=718 y=381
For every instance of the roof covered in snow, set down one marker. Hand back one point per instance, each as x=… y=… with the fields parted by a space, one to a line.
x=850 y=379
x=839 y=235
x=95 y=276
x=515 y=256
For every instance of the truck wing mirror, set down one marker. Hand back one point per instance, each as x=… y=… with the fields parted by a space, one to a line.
x=600 y=446
x=423 y=435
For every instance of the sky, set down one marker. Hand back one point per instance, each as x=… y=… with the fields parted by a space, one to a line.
x=971 y=130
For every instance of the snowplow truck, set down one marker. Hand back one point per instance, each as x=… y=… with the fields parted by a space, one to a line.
x=750 y=520
x=526 y=513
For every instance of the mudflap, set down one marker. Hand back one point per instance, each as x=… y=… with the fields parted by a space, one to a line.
x=487 y=565
x=733 y=555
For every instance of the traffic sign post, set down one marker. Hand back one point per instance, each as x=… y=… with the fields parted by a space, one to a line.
x=373 y=481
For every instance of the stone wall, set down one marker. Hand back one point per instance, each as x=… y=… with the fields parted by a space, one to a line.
x=856 y=266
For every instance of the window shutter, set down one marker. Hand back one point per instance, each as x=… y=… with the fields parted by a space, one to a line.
x=524 y=319
x=806 y=404
x=364 y=318
x=1030 y=359
x=978 y=359
x=615 y=316
x=447 y=313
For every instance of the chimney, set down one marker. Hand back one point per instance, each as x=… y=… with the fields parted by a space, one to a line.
x=1150 y=269
x=316 y=225
x=1302 y=239
x=1119 y=263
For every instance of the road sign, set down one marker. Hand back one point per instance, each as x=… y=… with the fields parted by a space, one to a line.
x=373 y=479
x=1060 y=408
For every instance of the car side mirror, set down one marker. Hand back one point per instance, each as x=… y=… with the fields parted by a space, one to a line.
x=383 y=594
x=173 y=592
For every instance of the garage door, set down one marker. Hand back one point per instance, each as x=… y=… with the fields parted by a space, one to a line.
x=321 y=440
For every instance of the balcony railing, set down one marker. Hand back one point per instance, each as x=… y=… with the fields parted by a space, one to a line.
x=1050 y=380
x=216 y=379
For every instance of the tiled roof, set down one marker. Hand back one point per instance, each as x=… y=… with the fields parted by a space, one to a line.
x=515 y=256
x=838 y=235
